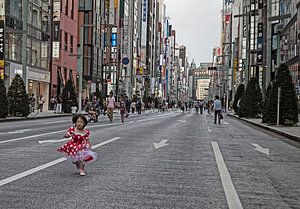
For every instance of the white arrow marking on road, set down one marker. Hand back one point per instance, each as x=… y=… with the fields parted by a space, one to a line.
x=18 y=131
x=209 y=130
x=232 y=197
x=47 y=165
x=261 y=149
x=160 y=144
x=54 y=140
x=182 y=121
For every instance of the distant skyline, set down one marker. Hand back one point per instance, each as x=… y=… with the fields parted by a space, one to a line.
x=198 y=26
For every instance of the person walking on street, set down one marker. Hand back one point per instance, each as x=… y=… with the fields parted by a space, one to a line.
x=110 y=106
x=218 y=109
x=41 y=103
x=127 y=105
x=78 y=149
x=59 y=104
x=122 y=111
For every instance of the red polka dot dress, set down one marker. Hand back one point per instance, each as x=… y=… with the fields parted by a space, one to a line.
x=78 y=148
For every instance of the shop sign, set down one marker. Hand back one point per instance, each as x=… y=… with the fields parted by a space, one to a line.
x=2 y=69
x=260 y=40
x=56 y=11
x=55 y=49
x=1 y=39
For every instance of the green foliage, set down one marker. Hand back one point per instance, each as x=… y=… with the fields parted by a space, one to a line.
x=270 y=105
x=252 y=100
x=239 y=94
x=3 y=101
x=69 y=97
x=18 y=100
x=288 y=101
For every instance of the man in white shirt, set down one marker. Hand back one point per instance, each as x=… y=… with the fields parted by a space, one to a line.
x=218 y=109
x=110 y=106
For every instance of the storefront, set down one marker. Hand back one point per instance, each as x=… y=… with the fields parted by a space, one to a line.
x=38 y=84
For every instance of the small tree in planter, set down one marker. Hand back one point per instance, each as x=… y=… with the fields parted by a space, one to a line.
x=270 y=105
x=288 y=100
x=252 y=100
x=3 y=101
x=18 y=100
x=69 y=97
x=239 y=94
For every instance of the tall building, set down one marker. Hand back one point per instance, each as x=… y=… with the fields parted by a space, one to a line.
x=64 y=42
x=289 y=40
x=25 y=26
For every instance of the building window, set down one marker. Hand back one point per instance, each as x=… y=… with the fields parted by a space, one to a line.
x=72 y=9
x=15 y=8
x=29 y=49
x=65 y=74
x=36 y=53
x=66 y=41
x=71 y=43
x=66 y=7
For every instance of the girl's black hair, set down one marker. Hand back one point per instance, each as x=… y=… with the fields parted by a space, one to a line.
x=75 y=118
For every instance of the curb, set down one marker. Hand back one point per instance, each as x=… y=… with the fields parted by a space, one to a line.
x=32 y=118
x=290 y=136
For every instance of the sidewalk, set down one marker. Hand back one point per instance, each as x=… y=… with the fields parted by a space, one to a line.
x=40 y=115
x=292 y=132
x=51 y=114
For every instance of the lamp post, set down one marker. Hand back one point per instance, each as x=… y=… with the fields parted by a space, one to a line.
x=24 y=43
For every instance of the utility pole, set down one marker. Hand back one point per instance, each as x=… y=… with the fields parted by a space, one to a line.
x=79 y=67
x=24 y=43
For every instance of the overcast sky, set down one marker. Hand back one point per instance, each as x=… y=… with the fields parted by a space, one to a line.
x=197 y=24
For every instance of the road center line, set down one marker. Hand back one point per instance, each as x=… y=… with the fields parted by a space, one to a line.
x=28 y=137
x=47 y=165
x=232 y=197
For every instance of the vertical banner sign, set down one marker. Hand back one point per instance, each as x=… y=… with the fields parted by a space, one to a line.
x=111 y=20
x=144 y=17
x=2 y=48
x=260 y=40
x=235 y=68
x=56 y=11
x=152 y=85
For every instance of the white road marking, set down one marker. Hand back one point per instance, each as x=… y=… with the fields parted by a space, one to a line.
x=261 y=149
x=47 y=165
x=33 y=136
x=161 y=144
x=182 y=121
x=232 y=197
x=53 y=140
x=224 y=122
x=208 y=128
x=18 y=131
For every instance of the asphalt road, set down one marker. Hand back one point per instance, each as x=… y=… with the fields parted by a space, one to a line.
x=159 y=160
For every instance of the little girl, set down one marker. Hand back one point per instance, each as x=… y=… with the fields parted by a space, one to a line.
x=78 y=149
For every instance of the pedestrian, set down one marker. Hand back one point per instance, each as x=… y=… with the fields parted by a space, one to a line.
x=59 y=104
x=73 y=110
x=127 y=104
x=78 y=148
x=201 y=105
x=122 y=111
x=110 y=106
x=32 y=100
x=217 y=108
x=52 y=103
x=41 y=103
